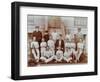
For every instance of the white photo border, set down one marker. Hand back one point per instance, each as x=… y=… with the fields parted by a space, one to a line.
x=57 y=69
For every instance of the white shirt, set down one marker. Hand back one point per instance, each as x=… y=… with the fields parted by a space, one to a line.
x=34 y=44
x=80 y=45
x=67 y=44
x=54 y=35
x=51 y=43
x=68 y=37
x=59 y=54
x=67 y=54
x=72 y=44
x=48 y=54
x=43 y=45
x=80 y=35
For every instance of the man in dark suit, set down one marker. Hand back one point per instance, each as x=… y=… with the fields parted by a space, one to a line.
x=60 y=43
x=37 y=34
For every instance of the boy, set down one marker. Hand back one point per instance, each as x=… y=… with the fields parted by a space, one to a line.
x=59 y=55
x=48 y=56
x=80 y=49
x=51 y=43
x=43 y=46
x=35 y=49
x=68 y=36
x=55 y=35
x=73 y=50
x=60 y=43
x=79 y=34
x=67 y=54
x=37 y=34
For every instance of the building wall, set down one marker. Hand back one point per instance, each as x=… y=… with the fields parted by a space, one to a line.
x=70 y=23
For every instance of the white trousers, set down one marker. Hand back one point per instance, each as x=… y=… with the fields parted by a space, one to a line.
x=59 y=59
x=67 y=59
x=36 y=56
x=46 y=60
x=78 y=55
x=42 y=51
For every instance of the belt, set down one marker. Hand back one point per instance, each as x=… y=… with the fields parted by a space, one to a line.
x=35 y=48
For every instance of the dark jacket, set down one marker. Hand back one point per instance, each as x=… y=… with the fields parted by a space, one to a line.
x=62 y=46
x=38 y=35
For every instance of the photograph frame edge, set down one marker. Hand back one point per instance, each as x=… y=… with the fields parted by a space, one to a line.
x=15 y=34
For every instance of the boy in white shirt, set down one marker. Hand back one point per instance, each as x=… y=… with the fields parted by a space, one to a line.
x=68 y=44
x=80 y=49
x=68 y=36
x=55 y=35
x=35 y=49
x=79 y=34
x=73 y=50
x=51 y=43
x=59 y=55
x=67 y=54
x=48 y=55
x=43 y=46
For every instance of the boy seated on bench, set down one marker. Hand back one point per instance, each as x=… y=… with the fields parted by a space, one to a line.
x=48 y=56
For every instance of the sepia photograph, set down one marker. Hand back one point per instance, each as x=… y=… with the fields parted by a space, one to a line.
x=56 y=40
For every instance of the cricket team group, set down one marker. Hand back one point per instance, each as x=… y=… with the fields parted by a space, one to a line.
x=53 y=47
